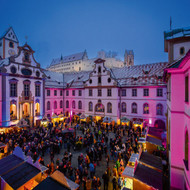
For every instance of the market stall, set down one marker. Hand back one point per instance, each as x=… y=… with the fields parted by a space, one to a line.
x=57 y=181
x=125 y=121
x=54 y=119
x=134 y=157
x=61 y=117
x=153 y=144
x=142 y=143
x=83 y=118
x=141 y=177
x=44 y=121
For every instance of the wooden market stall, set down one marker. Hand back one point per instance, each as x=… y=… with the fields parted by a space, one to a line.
x=125 y=121
x=142 y=177
x=18 y=172
x=152 y=144
x=44 y=122
x=57 y=181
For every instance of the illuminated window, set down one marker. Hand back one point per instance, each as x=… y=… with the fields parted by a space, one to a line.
x=146 y=108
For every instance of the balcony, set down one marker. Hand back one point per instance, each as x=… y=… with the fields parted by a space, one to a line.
x=13 y=117
x=37 y=114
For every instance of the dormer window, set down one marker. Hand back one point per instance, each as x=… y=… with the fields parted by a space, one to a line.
x=26 y=57
x=11 y=44
x=99 y=69
x=182 y=50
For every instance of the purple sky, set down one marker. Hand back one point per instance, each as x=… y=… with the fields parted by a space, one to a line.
x=70 y=26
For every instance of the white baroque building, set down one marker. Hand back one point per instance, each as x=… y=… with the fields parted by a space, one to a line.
x=28 y=91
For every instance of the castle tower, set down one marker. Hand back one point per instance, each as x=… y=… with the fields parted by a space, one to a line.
x=129 y=58
x=8 y=44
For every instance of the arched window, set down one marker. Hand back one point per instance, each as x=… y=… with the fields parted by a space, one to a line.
x=134 y=107
x=159 y=109
x=67 y=104
x=55 y=105
x=13 y=110
x=186 y=160
x=79 y=105
x=90 y=106
x=123 y=107
x=48 y=105
x=146 y=108
x=73 y=104
x=109 y=107
x=61 y=104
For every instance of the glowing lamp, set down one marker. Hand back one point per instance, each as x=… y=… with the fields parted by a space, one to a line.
x=71 y=112
x=150 y=121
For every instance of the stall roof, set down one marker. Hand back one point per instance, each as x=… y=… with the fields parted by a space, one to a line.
x=155 y=132
x=8 y=163
x=134 y=157
x=148 y=176
x=128 y=172
x=50 y=184
x=20 y=175
x=151 y=160
x=154 y=140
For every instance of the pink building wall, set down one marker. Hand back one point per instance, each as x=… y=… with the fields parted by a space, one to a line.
x=52 y=98
x=179 y=123
x=75 y=98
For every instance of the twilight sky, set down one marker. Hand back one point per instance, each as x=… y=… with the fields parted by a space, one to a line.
x=56 y=27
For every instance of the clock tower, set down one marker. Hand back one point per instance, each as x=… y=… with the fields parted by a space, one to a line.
x=8 y=44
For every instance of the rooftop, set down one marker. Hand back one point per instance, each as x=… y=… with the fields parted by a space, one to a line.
x=69 y=58
x=176 y=33
x=152 y=178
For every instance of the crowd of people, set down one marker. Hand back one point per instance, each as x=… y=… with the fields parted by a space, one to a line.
x=95 y=144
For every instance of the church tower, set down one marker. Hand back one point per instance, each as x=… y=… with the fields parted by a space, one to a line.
x=8 y=44
x=129 y=58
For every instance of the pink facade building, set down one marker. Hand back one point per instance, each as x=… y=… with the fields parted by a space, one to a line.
x=177 y=76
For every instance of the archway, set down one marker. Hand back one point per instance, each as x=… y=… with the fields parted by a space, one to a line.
x=37 y=109
x=160 y=124
x=13 y=112
x=26 y=110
